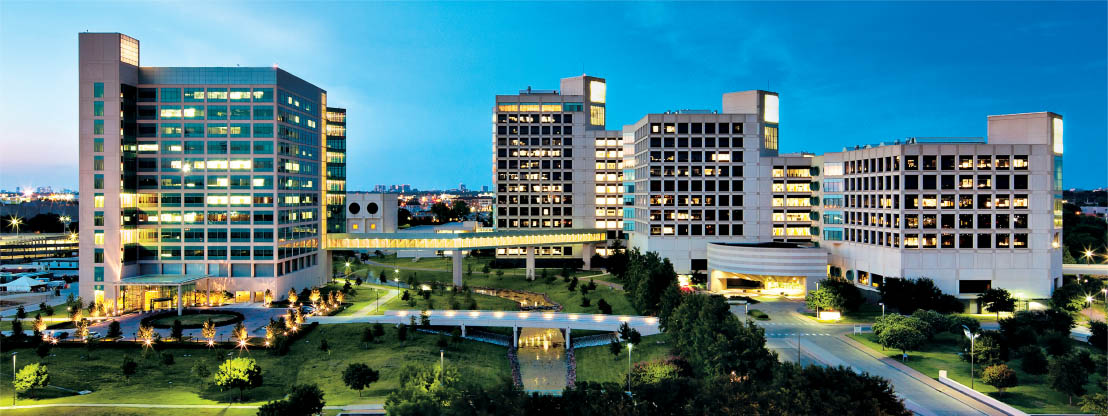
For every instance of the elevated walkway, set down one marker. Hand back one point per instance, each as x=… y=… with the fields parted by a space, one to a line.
x=459 y=242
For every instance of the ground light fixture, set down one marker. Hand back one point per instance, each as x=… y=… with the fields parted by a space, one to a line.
x=972 y=337
x=13 y=377
x=630 y=347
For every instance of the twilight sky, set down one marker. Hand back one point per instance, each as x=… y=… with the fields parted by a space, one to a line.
x=419 y=79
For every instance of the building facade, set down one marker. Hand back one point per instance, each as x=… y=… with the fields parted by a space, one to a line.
x=968 y=213
x=188 y=173
x=545 y=162
x=335 y=186
x=699 y=177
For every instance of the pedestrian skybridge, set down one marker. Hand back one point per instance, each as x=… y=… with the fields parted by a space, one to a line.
x=458 y=242
x=461 y=241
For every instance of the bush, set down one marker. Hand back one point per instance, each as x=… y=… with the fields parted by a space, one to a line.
x=604 y=307
x=999 y=376
x=759 y=315
x=987 y=350
x=1034 y=362
x=957 y=322
x=585 y=302
x=1099 y=337
x=167 y=358
x=1057 y=344
x=128 y=367
x=908 y=295
x=113 y=330
x=935 y=321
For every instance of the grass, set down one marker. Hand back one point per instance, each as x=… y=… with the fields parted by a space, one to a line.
x=557 y=290
x=134 y=411
x=1032 y=395
x=599 y=365
x=194 y=319
x=364 y=295
x=450 y=300
x=305 y=363
x=28 y=322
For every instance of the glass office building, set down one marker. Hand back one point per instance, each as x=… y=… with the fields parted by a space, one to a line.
x=214 y=178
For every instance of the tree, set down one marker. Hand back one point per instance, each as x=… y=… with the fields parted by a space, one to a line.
x=902 y=337
x=616 y=348
x=585 y=302
x=20 y=313
x=997 y=300
x=907 y=295
x=824 y=299
x=128 y=367
x=208 y=331
x=715 y=342
x=986 y=350
x=936 y=322
x=367 y=336
x=499 y=274
x=460 y=210
x=381 y=277
x=1068 y=376
x=323 y=346
x=999 y=376
x=178 y=331
x=1099 y=336
x=604 y=307
x=39 y=325
x=1095 y=403
x=401 y=332
x=647 y=278
x=114 y=331
x=1034 y=362
x=42 y=350
x=200 y=371
x=31 y=376
x=305 y=399
x=378 y=329
x=572 y=284
x=241 y=373
x=1056 y=343
x=17 y=329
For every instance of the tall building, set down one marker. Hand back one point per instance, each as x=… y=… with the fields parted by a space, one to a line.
x=969 y=213
x=336 y=169
x=191 y=175
x=545 y=161
x=701 y=176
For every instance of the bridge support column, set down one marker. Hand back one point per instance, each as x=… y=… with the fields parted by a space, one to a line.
x=530 y=265
x=456 y=268
x=515 y=337
x=463 y=330
x=180 y=304
x=587 y=251
x=568 y=344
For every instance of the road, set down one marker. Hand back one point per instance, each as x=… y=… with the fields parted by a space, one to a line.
x=827 y=344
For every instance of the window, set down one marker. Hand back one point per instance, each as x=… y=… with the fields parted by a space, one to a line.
x=98 y=181
x=239 y=94
x=98 y=145
x=98 y=108
x=98 y=163
x=170 y=129
x=263 y=112
x=217 y=130
x=263 y=130
x=263 y=95
x=217 y=94
x=98 y=127
x=98 y=90
x=217 y=112
x=239 y=130
x=171 y=95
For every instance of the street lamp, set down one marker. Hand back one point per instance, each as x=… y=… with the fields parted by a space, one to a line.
x=1088 y=255
x=882 y=309
x=442 y=365
x=65 y=219
x=14 y=393
x=972 y=337
x=630 y=347
x=15 y=222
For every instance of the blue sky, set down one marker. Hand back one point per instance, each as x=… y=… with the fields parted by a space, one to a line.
x=419 y=79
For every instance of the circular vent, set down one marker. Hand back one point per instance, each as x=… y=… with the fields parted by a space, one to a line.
x=355 y=208
x=371 y=208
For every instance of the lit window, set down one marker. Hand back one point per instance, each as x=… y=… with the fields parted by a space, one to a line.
x=771 y=111
x=597 y=91
x=596 y=115
x=1057 y=135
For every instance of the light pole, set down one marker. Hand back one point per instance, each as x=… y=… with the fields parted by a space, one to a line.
x=630 y=347
x=442 y=365
x=972 y=338
x=1088 y=255
x=882 y=309
x=65 y=220
x=14 y=393
x=798 y=349
x=15 y=222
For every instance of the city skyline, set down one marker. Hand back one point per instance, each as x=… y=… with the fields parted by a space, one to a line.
x=400 y=79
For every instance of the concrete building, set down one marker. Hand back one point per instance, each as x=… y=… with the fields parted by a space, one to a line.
x=968 y=213
x=701 y=177
x=546 y=159
x=371 y=212
x=221 y=181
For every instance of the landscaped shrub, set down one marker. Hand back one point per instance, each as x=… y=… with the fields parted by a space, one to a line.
x=1057 y=344
x=1034 y=362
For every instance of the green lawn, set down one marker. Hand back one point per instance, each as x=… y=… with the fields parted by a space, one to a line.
x=158 y=383
x=28 y=323
x=599 y=365
x=364 y=295
x=133 y=411
x=514 y=279
x=194 y=319
x=1033 y=395
x=449 y=301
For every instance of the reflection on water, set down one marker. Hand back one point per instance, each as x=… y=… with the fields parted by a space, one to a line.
x=542 y=359
x=528 y=301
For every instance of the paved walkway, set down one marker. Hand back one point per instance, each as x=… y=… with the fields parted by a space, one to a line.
x=370 y=408
x=828 y=345
x=368 y=309
x=601 y=282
